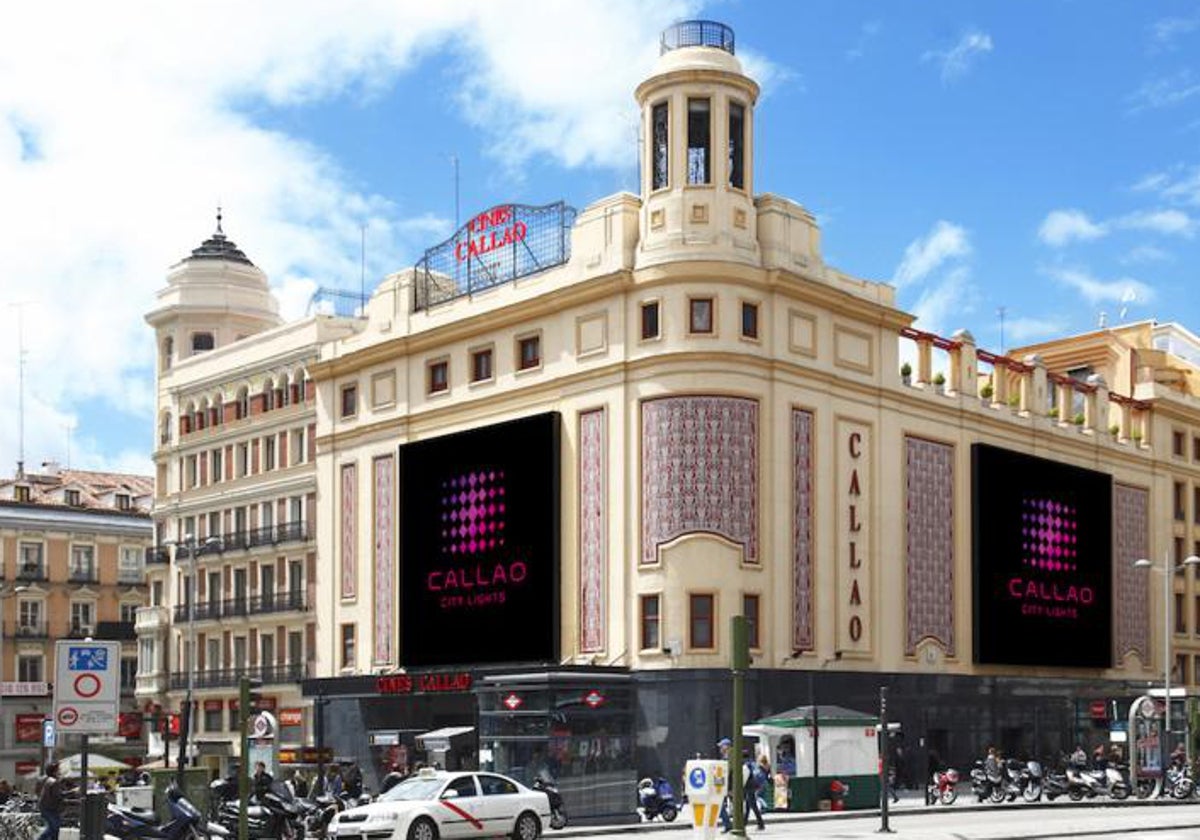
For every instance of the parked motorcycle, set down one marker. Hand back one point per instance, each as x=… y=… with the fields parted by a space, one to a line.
x=1109 y=780
x=1180 y=783
x=943 y=787
x=558 y=813
x=656 y=798
x=1055 y=784
x=1024 y=779
x=186 y=823
x=272 y=812
x=985 y=785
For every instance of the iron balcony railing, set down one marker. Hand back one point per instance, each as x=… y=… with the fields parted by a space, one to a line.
x=157 y=554
x=82 y=576
x=696 y=33
x=31 y=630
x=31 y=571
x=255 y=537
x=117 y=631
x=229 y=677
x=241 y=607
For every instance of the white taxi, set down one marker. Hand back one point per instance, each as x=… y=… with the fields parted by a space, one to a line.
x=437 y=804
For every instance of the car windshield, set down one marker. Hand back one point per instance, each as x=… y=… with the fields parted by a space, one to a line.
x=411 y=789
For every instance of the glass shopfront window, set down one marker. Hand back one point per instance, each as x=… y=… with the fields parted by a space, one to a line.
x=579 y=733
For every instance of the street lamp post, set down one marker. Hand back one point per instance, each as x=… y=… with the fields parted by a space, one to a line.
x=1168 y=572
x=185 y=729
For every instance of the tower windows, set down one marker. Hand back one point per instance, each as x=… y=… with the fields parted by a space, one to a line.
x=699 y=159
x=660 y=146
x=737 y=145
x=202 y=341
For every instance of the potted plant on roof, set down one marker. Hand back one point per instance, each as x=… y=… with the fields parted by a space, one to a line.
x=939 y=382
x=906 y=373
x=986 y=392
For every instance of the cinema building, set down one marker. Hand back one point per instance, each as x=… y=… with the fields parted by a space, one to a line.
x=553 y=459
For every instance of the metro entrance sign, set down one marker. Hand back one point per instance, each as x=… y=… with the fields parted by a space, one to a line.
x=87 y=686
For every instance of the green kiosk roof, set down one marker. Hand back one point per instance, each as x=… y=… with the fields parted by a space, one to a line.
x=826 y=716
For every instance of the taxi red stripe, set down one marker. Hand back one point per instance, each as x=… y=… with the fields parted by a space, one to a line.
x=477 y=823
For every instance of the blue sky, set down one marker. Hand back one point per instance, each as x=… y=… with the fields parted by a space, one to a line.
x=1044 y=158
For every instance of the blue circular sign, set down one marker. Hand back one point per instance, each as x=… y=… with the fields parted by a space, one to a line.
x=697 y=777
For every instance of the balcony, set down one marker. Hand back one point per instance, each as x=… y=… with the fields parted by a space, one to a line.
x=131 y=577
x=81 y=631
x=116 y=631
x=151 y=684
x=157 y=554
x=83 y=576
x=151 y=619
x=31 y=572
x=230 y=677
x=255 y=537
x=278 y=602
x=31 y=630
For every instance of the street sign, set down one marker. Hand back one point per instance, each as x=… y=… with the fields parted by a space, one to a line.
x=48 y=733
x=87 y=686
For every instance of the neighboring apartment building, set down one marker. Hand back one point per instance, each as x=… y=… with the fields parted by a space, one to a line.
x=234 y=568
x=72 y=544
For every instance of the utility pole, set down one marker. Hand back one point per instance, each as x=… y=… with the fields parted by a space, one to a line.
x=243 y=768
x=740 y=664
x=884 y=798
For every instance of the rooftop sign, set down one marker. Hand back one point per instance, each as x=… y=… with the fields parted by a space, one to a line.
x=495 y=247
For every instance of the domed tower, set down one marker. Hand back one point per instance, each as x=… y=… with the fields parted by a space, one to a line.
x=213 y=297
x=698 y=162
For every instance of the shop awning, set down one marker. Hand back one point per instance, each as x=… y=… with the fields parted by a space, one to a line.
x=826 y=716
x=438 y=740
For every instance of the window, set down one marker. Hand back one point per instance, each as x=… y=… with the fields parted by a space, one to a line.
x=750 y=611
x=147 y=663
x=700 y=315
x=129 y=565
x=347 y=646
x=349 y=400
x=83 y=564
x=1180 y=615
x=31 y=561
x=242 y=460
x=168 y=352
x=129 y=613
x=72 y=498
x=495 y=785
x=29 y=618
x=129 y=665
x=123 y=501
x=481 y=365
x=243 y=403
x=660 y=149
x=82 y=615
x=269 y=452
x=749 y=320
x=1181 y=668
x=299 y=453
x=156 y=593
x=1180 y=501
x=21 y=493
x=529 y=352
x=698 y=158
x=214 y=712
x=1196 y=449
x=649 y=320
x=1196 y=616
x=1177 y=444
x=650 y=622
x=464 y=786
x=29 y=668
x=1178 y=551
x=202 y=341
x=737 y=145
x=218 y=467
x=439 y=377
x=701 y=621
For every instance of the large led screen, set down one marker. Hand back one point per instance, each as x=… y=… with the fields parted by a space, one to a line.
x=1042 y=536
x=479 y=519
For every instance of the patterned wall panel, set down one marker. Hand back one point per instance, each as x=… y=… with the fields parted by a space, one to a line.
x=1131 y=586
x=349 y=552
x=384 y=556
x=699 y=471
x=929 y=495
x=802 y=565
x=592 y=524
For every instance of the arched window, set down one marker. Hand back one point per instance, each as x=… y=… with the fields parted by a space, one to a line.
x=268 y=395
x=168 y=352
x=164 y=435
x=243 y=402
x=202 y=341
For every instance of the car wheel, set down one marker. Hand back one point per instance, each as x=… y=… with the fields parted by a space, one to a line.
x=528 y=827
x=422 y=829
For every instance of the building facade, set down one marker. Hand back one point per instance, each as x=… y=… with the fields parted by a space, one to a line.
x=233 y=572
x=554 y=458
x=72 y=549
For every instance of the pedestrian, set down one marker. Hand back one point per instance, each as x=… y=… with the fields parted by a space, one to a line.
x=50 y=802
x=300 y=784
x=726 y=817
x=393 y=778
x=333 y=781
x=352 y=780
x=766 y=790
x=752 y=783
x=262 y=780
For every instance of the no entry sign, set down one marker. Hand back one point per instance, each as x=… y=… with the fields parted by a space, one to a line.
x=87 y=686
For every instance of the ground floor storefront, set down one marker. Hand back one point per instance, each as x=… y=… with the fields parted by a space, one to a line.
x=598 y=730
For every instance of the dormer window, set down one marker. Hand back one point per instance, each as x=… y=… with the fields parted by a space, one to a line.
x=699 y=159
x=71 y=497
x=124 y=502
x=21 y=493
x=202 y=341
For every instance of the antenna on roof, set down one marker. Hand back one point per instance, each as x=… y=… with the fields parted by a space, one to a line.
x=1000 y=310
x=1127 y=297
x=1103 y=319
x=362 y=267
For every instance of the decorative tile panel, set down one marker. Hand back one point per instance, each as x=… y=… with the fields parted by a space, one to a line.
x=802 y=565
x=592 y=524
x=349 y=559
x=699 y=471
x=1131 y=586
x=929 y=578
x=384 y=556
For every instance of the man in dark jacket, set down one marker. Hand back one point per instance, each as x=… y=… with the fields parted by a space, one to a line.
x=50 y=802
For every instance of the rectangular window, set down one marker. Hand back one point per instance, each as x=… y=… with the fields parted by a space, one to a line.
x=1196 y=449
x=700 y=315
x=218 y=472
x=268 y=453
x=699 y=161
x=29 y=618
x=649 y=320
x=1180 y=615
x=243 y=460
x=1180 y=501
x=29 y=668
x=1177 y=444
x=129 y=613
x=660 y=166
x=650 y=639
x=529 y=352
x=1196 y=615
x=83 y=564
x=1179 y=544
x=1181 y=668
x=349 y=400
x=481 y=365
x=737 y=145
x=347 y=646
x=73 y=498
x=124 y=502
x=439 y=377
x=750 y=611
x=701 y=621
x=31 y=561
x=1196 y=504
x=82 y=617
x=749 y=320
x=213 y=715
x=128 y=673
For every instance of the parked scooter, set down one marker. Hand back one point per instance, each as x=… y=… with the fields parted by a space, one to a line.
x=1024 y=779
x=1107 y=780
x=942 y=787
x=272 y=812
x=1055 y=784
x=558 y=813
x=986 y=785
x=1180 y=783
x=186 y=823
x=657 y=799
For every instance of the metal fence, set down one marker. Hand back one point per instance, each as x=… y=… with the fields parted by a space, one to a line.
x=697 y=33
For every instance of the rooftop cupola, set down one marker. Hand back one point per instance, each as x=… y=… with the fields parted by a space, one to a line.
x=697 y=168
x=213 y=297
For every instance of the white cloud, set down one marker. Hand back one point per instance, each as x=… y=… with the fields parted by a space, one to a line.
x=1164 y=92
x=121 y=132
x=866 y=33
x=1165 y=31
x=1123 y=290
x=942 y=305
x=1145 y=254
x=1062 y=226
x=956 y=62
x=946 y=241
x=1180 y=184
x=1025 y=330
x=1166 y=222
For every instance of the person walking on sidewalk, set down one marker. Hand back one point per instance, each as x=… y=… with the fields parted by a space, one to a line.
x=50 y=802
x=753 y=780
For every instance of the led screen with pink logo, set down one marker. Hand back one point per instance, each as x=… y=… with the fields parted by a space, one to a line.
x=479 y=513
x=1042 y=537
